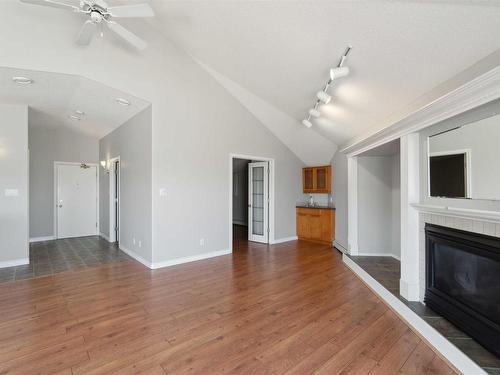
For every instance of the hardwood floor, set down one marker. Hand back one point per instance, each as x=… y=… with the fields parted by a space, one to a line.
x=288 y=308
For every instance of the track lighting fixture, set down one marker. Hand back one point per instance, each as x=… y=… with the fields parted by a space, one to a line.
x=307 y=123
x=314 y=113
x=339 y=72
x=322 y=96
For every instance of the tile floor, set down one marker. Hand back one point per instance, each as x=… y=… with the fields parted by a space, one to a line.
x=50 y=257
x=386 y=270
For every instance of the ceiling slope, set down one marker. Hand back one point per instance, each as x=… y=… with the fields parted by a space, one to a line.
x=310 y=147
x=281 y=51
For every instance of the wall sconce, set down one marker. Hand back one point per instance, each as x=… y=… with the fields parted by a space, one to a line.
x=105 y=165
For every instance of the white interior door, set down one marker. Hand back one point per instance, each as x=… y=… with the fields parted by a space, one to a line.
x=258 y=202
x=76 y=204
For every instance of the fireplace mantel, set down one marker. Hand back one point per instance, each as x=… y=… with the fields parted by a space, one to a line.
x=465 y=213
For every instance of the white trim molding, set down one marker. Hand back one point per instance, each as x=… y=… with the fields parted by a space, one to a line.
x=410 y=193
x=136 y=256
x=336 y=244
x=378 y=255
x=463 y=213
x=104 y=236
x=192 y=258
x=453 y=355
x=41 y=239
x=352 y=203
x=14 y=263
x=281 y=240
x=474 y=93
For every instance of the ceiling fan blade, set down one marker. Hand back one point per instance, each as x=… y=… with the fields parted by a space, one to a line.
x=134 y=10
x=86 y=33
x=126 y=35
x=53 y=4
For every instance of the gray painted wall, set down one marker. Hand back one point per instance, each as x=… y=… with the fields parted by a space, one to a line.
x=191 y=161
x=481 y=139
x=378 y=185
x=14 y=175
x=48 y=145
x=132 y=143
x=240 y=191
x=470 y=117
x=340 y=191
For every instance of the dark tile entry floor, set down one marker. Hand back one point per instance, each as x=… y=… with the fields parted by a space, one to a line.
x=50 y=257
x=386 y=270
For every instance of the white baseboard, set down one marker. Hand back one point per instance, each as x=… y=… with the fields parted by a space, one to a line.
x=449 y=351
x=136 y=256
x=238 y=222
x=40 y=239
x=104 y=236
x=340 y=247
x=15 y=262
x=193 y=258
x=281 y=240
x=172 y=262
x=411 y=292
x=359 y=254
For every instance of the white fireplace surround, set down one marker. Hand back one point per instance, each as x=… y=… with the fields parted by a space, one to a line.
x=432 y=215
x=416 y=209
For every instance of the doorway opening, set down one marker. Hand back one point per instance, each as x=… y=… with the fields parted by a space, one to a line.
x=114 y=200
x=76 y=196
x=251 y=200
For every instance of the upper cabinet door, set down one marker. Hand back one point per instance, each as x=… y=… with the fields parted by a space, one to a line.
x=317 y=179
x=308 y=180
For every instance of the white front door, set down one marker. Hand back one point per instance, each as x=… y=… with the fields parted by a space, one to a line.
x=258 y=202
x=76 y=204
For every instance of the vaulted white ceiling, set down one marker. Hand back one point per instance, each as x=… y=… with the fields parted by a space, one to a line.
x=281 y=51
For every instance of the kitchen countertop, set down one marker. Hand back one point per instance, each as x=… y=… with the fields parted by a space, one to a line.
x=302 y=205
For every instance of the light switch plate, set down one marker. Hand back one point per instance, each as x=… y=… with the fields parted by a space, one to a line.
x=11 y=192
x=163 y=192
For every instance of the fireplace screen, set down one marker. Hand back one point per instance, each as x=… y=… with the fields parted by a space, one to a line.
x=463 y=281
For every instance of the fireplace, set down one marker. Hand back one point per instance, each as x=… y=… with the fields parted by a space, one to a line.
x=463 y=281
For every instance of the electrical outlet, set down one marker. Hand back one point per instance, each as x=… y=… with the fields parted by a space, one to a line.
x=202 y=242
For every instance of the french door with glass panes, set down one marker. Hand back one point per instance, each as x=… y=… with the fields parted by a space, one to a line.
x=258 y=202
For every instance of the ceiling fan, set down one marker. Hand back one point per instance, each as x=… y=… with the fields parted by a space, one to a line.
x=100 y=14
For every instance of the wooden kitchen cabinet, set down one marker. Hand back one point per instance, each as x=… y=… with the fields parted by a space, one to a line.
x=317 y=179
x=316 y=224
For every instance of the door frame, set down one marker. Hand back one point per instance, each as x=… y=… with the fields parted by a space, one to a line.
x=264 y=238
x=56 y=193
x=271 y=238
x=112 y=212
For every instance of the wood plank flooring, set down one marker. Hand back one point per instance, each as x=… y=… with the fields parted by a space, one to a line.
x=289 y=308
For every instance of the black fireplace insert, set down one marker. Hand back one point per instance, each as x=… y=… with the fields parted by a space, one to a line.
x=463 y=281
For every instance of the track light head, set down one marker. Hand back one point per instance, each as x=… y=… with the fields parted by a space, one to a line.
x=323 y=97
x=339 y=72
x=314 y=112
x=307 y=123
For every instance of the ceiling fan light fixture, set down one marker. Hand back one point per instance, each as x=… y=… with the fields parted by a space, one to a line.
x=22 y=80
x=314 y=112
x=74 y=117
x=79 y=113
x=339 y=72
x=307 y=123
x=323 y=97
x=123 y=102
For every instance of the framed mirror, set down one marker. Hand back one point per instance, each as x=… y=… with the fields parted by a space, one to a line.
x=464 y=162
